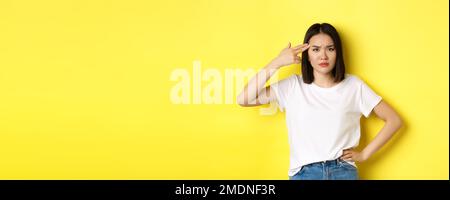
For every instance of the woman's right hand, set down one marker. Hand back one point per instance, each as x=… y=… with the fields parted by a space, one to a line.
x=255 y=93
x=289 y=55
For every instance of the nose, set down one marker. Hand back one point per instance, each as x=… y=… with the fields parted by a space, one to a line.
x=324 y=55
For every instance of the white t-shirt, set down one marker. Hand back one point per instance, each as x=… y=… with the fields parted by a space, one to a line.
x=322 y=122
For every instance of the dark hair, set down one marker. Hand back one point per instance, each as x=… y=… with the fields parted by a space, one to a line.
x=338 y=71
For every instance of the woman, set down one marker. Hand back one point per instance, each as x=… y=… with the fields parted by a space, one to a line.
x=323 y=107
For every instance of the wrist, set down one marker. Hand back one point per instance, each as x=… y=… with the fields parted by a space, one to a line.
x=272 y=66
x=365 y=155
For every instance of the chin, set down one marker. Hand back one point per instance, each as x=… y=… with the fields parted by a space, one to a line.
x=322 y=70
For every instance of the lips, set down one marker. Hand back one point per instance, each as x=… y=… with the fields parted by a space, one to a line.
x=324 y=64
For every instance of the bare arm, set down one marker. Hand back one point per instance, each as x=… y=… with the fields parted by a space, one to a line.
x=254 y=93
x=392 y=124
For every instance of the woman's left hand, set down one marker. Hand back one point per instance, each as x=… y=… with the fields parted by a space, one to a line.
x=352 y=155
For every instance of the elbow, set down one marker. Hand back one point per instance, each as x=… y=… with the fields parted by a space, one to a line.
x=396 y=122
x=400 y=123
x=244 y=102
x=241 y=101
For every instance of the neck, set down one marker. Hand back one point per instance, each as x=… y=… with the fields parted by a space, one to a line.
x=324 y=80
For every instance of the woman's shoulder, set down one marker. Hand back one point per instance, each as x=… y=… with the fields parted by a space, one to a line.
x=354 y=79
x=294 y=78
x=287 y=81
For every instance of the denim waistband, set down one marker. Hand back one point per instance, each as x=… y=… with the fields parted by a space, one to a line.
x=328 y=162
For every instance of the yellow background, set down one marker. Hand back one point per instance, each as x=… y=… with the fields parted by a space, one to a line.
x=84 y=86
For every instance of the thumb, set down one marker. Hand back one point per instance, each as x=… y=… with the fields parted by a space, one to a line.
x=289 y=45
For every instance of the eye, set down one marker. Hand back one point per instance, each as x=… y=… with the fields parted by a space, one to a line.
x=331 y=49
x=315 y=49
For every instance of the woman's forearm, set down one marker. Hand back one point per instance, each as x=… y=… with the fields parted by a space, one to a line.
x=390 y=127
x=288 y=56
x=254 y=86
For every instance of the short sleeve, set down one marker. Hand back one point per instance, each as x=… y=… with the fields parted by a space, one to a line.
x=368 y=99
x=283 y=89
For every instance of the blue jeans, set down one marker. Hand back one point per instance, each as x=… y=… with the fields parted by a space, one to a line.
x=327 y=170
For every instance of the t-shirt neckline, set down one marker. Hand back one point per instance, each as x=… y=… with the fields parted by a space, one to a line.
x=329 y=88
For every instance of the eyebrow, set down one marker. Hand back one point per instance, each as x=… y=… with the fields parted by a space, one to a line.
x=332 y=45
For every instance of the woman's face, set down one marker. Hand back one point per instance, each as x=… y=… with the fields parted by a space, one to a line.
x=321 y=53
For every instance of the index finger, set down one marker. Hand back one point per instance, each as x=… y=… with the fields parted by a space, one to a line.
x=301 y=49
x=300 y=46
x=346 y=151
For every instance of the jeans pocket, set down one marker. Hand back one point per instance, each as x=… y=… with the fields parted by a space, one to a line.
x=297 y=175
x=346 y=164
x=302 y=169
